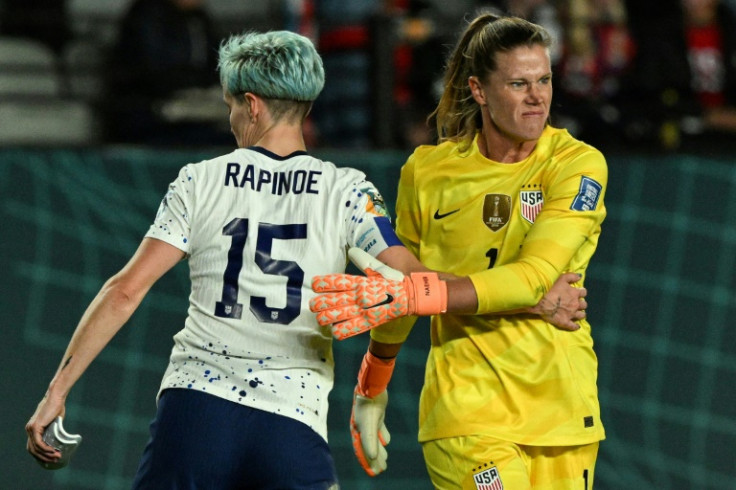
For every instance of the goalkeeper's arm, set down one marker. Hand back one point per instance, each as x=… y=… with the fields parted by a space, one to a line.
x=561 y=306
x=354 y=304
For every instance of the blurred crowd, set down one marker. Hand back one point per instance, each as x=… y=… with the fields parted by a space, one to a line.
x=628 y=74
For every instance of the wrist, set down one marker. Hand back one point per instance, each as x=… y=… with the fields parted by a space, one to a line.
x=430 y=294
x=58 y=388
x=374 y=375
x=55 y=394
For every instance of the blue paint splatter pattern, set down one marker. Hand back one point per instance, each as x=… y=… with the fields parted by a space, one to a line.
x=270 y=383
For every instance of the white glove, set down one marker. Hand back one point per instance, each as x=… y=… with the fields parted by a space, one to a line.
x=369 y=432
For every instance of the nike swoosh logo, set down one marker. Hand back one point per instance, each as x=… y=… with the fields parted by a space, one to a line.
x=437 y=214
x=389 y=299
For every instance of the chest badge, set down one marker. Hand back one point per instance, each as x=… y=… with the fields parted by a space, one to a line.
x=496 y=211
x=530 y=204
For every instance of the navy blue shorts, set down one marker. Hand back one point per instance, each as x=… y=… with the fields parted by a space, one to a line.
x=200 y=441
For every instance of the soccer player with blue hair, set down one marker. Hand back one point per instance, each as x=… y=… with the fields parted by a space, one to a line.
x=243 y=402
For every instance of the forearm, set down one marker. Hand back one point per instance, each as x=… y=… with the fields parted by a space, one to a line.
x=384 y=350
x=461 y=296
x=511 y=287
x=111 y=308
x=104 y=317
x=401 y=259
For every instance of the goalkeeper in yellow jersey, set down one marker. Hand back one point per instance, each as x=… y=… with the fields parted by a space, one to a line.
x=508 y=203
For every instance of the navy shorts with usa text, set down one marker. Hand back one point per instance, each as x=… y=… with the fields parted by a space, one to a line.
x=203 y=442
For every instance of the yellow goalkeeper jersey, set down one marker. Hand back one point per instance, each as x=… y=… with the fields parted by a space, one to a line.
x=513 y=228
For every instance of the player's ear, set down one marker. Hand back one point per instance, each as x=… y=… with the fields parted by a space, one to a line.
x=252 y=105
x=476 y=89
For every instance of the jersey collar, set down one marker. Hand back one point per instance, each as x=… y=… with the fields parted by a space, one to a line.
x=274 y=156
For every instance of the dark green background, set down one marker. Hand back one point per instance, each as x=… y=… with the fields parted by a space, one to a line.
x=661 y=294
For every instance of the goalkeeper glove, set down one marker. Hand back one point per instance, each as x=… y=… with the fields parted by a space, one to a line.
x=355 y=304
x=367 y=427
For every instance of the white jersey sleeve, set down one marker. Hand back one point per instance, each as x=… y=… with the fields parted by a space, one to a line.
x=256 y=228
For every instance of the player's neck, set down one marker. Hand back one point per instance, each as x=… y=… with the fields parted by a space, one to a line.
x=500 y=148
x=282 y=139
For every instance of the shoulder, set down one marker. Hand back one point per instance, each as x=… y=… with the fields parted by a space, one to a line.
x=428 y=153
x=209 y=165
x=425 y=158
x=209 y=170
x=565 y=151
x=337 y=172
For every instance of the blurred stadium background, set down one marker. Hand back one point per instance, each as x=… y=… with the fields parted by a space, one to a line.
x=661 y=289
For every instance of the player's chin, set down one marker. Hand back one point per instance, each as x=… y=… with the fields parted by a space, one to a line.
x=532 y=128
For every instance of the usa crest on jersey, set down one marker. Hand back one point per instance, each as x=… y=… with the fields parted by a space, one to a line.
x=530 y=204
x=487 y=478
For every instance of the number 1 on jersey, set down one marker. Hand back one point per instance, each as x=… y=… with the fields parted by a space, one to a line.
x=492 y=255
x=229 y=306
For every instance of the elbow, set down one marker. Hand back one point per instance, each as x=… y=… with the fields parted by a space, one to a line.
x=121 y=296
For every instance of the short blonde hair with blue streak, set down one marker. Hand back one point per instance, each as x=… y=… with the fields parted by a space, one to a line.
x=274 y=65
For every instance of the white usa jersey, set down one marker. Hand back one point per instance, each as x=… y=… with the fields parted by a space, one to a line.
x=256 y=228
